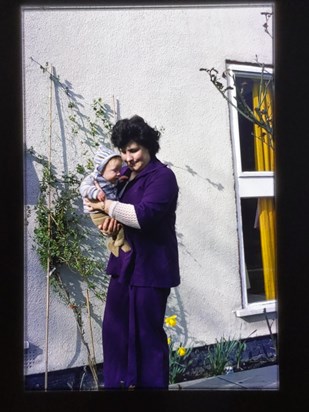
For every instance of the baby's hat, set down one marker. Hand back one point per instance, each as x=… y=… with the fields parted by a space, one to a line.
x=102 y=157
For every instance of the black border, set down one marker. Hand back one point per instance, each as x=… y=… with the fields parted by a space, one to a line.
x=291 y=115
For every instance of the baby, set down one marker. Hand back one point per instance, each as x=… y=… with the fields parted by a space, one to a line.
x=100 y=184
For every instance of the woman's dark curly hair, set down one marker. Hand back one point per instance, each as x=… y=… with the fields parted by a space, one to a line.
x=137 y=130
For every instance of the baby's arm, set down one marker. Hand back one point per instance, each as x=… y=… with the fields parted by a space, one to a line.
x=101 y=194
x=88 y=188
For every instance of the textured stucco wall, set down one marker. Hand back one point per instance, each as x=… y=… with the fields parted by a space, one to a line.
x=149 y=60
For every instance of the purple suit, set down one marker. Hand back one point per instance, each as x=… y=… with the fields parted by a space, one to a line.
x=134 y=342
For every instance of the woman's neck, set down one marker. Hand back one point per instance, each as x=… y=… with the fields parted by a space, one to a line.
x=132 y=175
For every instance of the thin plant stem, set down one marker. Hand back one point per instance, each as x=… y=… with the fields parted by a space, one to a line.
x=49 y=233
x=93 y=361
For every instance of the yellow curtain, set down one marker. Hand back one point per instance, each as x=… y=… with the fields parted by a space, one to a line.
x=264 y=161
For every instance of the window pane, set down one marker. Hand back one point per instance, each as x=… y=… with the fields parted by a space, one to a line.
x=246 y=127
x=252 y=249
x=244 y=86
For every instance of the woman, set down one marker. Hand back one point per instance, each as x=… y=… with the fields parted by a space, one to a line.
x=136 y=353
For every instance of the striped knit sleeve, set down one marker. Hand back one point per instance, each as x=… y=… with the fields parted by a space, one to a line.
x=124 y=213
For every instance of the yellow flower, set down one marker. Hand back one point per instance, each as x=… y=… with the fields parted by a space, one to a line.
x=171 y=320
x=181 y=351
x=169 y=340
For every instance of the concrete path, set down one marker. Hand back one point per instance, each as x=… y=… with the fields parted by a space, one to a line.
x=260 y=378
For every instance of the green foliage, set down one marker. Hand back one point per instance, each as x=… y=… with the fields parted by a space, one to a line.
x=61 y=232
x=62 y=236
x=240 y=348
x=178 y=356
x=101 y=115
x=222 y=353
x=178 y=360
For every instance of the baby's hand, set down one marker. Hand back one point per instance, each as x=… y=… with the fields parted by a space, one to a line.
x=101 y=196
x=123 y=178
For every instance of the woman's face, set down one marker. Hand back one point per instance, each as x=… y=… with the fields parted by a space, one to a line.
x=136 y=156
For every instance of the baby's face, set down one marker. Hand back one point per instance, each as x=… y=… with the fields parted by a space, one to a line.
x=112 y=169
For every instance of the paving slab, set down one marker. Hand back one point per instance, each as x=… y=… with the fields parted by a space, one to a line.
x=266 y=378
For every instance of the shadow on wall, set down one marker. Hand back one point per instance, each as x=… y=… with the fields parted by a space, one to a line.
x=175 y=305
x=180 y=237
x=80 y=122
x=32 y=188
x=32 y=355
x=72 y=120
x=189 y=169
x=68 y=119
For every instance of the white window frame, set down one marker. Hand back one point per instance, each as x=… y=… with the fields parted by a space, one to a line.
x=247 y=184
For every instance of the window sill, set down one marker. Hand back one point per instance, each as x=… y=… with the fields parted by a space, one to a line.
x=256 y=174
x=257 y=309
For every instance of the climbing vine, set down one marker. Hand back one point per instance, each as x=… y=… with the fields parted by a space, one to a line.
x=63 y=240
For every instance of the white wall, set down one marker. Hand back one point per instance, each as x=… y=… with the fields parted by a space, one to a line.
x=149 y=60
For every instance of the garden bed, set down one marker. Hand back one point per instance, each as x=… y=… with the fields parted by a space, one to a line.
x=259 y=352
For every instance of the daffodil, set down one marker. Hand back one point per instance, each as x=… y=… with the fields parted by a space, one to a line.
x=181 y=351
x=171 y=321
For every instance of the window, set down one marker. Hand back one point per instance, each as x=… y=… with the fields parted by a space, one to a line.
x=254 y=153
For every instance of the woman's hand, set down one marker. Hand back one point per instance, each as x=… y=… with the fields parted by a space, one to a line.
x=94 y=205
x=110 y=227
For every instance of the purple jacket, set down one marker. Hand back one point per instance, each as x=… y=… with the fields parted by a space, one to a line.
x=153 y=259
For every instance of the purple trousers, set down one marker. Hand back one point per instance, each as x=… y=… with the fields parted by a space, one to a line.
x=135 y=344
